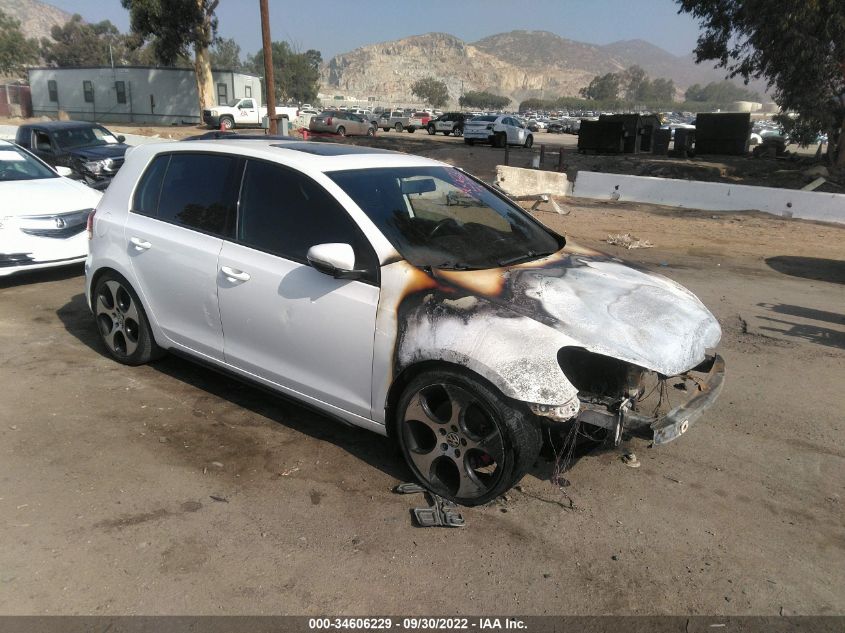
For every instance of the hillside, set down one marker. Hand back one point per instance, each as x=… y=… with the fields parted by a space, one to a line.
x=36 y=18
x=519 y=64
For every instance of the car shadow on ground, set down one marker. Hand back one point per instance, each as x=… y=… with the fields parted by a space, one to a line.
x=817 y=268
x=43 y=275
x=377 y=451
x=807 y=331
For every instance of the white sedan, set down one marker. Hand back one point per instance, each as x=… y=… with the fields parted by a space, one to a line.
x=42 y=214
x=498 y=130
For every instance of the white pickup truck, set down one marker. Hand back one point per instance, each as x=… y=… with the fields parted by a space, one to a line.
x=242 y=113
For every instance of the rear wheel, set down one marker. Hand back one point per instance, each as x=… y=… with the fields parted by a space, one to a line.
x=431 y=130
x=398 y=127
x=529 y=141
x=462 y=439
x=122 y=322
x=411 y=129
x=500 y=140
x=371 y=131
x=341 y=131
x=457 y=131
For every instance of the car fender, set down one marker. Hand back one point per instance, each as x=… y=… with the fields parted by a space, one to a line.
x=421 y=319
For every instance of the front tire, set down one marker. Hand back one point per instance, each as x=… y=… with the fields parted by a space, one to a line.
x=462 y=439
x=122 y=322
x=529 y=141
x=227 y=122
x=431 y=130
x=341 y=131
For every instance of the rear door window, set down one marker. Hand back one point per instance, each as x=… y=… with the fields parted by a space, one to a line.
x=199 y=191
x=147 y=194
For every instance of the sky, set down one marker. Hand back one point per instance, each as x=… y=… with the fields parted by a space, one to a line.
x=339 y=26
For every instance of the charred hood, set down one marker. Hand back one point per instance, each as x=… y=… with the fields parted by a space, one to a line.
x=601 y=304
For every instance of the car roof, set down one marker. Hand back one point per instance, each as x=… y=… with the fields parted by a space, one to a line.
x=304 y=155
x=61 y=125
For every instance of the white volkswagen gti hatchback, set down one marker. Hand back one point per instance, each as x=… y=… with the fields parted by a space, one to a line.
x=42 y=214
x=395 y=293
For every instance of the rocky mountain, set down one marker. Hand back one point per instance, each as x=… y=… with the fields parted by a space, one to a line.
x=36 y=18
x=519 y=64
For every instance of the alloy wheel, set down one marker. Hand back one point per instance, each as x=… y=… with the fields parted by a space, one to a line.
x=117 y=318
x=452 y=441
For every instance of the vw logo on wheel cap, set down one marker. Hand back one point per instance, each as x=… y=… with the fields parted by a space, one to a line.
x=453 y=440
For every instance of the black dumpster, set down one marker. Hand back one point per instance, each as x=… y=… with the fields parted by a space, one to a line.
x=601 y=137
x=660 y=141
x=722 y=133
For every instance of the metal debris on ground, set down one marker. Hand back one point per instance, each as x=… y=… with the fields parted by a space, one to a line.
x=628 y=241
x=441 y=512
x=630 y=460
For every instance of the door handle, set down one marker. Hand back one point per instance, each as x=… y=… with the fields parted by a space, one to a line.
x=139 y=244
x=233 y=274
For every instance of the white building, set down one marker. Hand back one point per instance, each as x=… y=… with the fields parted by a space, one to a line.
x=137 y=94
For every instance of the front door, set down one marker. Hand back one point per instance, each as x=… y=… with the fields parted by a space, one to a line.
x=284 y=321
x=247 y=112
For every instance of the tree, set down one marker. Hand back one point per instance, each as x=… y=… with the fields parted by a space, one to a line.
x=16 y=51
x=635 y=84
x=174 y=27
x=225 y=53
x=602 y=88
x=720 y=92
x=297 y=75
x=661 y=91
x=78 y=43
x=799 y=49
x=483 y=100
x=433 y=91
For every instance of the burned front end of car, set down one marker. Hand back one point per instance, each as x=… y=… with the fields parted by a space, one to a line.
x=623 y=398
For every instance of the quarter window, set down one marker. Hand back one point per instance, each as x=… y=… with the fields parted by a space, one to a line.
x=285 y=213
x=199 y=191
x=88 y=89
x=146 y=197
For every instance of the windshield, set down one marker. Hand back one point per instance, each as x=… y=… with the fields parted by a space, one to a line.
x=16 y=164
x=70 y=138
x=440 y=217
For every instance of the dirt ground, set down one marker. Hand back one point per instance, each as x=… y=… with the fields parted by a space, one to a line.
x=169 y=489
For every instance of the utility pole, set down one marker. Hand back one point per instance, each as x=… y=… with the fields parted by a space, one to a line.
x=268 y=66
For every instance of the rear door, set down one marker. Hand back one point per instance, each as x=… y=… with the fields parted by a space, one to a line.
x=284 y=321
x=182 y=209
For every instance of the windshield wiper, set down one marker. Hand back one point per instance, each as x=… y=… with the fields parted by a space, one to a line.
x=455 y=266
x=522 y=258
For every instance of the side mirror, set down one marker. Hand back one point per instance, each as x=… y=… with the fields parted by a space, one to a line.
x=335 y=260
x=121 y=138
x=64 y=172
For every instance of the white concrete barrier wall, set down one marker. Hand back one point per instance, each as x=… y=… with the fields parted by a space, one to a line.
x=711 y=196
